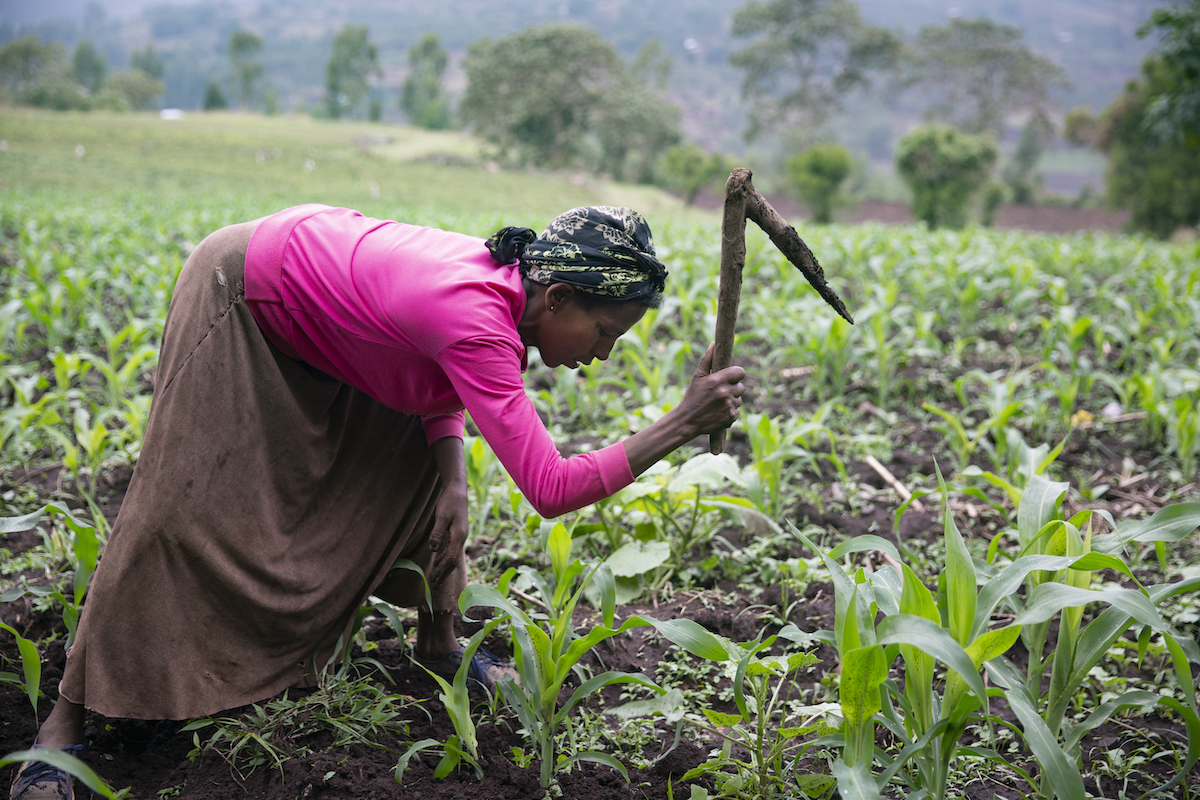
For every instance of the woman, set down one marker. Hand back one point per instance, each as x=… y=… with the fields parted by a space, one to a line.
x=306 y=432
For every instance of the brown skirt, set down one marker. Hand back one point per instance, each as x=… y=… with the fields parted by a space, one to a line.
x=269 y=501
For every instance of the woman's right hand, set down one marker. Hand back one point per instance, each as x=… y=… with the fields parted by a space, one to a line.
x=712 y=400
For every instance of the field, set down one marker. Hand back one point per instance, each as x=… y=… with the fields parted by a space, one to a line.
x=985 y=488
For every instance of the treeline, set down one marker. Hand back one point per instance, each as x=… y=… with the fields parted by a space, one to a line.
x=560 y=96
x=37 y=73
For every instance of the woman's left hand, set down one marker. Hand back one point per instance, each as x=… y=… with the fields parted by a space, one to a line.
x=448 y=539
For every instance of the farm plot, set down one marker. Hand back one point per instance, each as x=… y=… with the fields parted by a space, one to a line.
x=947 y=553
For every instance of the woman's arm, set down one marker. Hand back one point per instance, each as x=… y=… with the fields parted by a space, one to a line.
x=710 y=403
x=449 y=535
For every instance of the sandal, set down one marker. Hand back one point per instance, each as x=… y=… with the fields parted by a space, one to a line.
x=483 y=673
x=37 y=780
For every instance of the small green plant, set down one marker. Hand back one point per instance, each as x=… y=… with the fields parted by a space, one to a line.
x=83 y=554
x=350 y=706
x=769 y=727
x=547 y=649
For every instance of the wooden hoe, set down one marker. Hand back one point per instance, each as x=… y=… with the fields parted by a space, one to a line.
x=742 y=202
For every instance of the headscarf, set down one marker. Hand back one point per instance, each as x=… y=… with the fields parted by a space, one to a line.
x=601 y=250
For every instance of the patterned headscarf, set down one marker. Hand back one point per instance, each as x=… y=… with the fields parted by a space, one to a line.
x=602 y=250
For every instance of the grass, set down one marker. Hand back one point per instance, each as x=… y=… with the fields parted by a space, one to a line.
x=274 y=162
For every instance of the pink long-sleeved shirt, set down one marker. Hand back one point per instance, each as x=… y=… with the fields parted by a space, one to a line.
x=425 y=322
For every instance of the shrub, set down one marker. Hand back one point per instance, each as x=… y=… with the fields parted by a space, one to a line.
x=944 y=169
x=817 y=175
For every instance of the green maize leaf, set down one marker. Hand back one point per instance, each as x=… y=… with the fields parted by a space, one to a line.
x=595 y=684
x=637 y=558
x=1169 y=524
x=887 y=587
x=931 y=638
x=452 y=756
x=863 y=544
x=863 y=670
x=695 y=638
x=1058 y=769
x=1050 y=598
x=989 y=645
x=565 y=583
x=1192 y=722
x=596 y=758
x=1183 y=670
x=1090 y=562
x=854 y=782
x=917 y=600
x=559 y=546
x=1039 y=504
x=67 y=763
x=409 y=564
x=992 y=644
x=476 y=594
x=606 y=587
x=961 y=592
x=844 y=588
x=1007 y=581
x=31 y=665
x=22 y=523
x=1098 y=717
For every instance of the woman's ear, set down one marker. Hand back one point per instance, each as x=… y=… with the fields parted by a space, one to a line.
x=557 y=294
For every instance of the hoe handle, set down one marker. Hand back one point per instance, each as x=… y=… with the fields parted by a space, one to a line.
x=743 y=201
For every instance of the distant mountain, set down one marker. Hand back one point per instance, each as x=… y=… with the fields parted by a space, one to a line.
x=1093 y=40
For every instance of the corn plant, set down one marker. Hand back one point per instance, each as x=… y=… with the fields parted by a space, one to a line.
x=1055 y=567
x=462 y=746
x=83 y=555
x=547 y=649
x=920 y=630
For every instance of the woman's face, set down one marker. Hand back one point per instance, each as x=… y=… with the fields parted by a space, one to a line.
x=571 y=334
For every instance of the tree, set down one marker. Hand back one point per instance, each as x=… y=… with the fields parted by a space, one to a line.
x=689 y=168
x=1176 y=112
x=244 y=47
x=535 y=92
x=817 y=175
x=1020 y=173
x=27 y=62
x=148 y=62
x=944 y=169
x=88 y=67
x=806 y=55
x=135 y=89
x=422 y=98
x=354 y=60
x=980 y=71
x=635 y=125
x=1151 y=171
x=1079 y=127
x=214 y=97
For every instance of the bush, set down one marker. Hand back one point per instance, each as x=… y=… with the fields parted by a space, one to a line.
x=817 y=175
x=944 y=169
x=689 y=168
x=214 y=97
